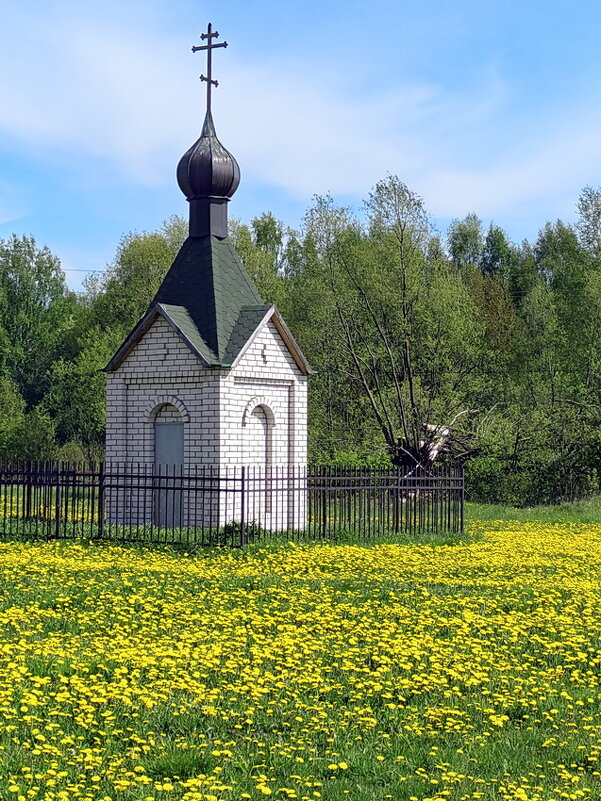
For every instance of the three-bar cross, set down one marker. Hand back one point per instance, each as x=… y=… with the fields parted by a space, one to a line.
x=209 y=35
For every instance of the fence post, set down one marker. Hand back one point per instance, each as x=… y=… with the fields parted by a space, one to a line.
x=396 y=509
x=58 y=500
x=243 y=504
x=28 y=492
x=324 y=504
x=461 y=477
x=101 y=470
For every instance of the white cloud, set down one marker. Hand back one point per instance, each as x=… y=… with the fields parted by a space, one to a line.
x=126 y=96
x=12 y=206
x=563 y=160
x=92 y=92
x=84 y=90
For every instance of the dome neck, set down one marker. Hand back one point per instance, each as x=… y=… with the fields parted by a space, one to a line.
x=208 y=217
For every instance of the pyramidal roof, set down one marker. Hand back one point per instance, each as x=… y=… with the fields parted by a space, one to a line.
x=208 y=298
x=208 y=279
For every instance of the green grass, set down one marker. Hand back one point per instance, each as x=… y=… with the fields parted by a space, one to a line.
x=18 y=529
x=588 y=511
x=330 y=670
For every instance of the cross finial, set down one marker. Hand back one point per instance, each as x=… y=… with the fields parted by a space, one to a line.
x=209 y=36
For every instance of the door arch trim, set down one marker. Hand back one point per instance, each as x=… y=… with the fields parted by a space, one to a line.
x=153 y=407
x=266 y=403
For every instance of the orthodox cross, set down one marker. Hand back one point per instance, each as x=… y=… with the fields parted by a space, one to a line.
x=209 y=36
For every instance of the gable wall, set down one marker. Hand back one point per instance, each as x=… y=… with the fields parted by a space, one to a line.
x=268 y=374
x=160 y=350
x=161 y=368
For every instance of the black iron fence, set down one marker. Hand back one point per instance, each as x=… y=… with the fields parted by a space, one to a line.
x=203 y=505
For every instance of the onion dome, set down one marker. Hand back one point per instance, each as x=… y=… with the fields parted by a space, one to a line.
x=207 y=169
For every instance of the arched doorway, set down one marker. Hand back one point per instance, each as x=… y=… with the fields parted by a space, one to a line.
x=257 y=438
x=168 y=465
x=258 y=461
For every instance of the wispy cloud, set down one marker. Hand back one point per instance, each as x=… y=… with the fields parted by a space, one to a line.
x=89 y=91
x=106 y=94
x=12 y=206
x=308 y=137
x=567 y=157
x=120 y=95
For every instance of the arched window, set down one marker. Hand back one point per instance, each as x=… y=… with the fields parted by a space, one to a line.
x=258 y=422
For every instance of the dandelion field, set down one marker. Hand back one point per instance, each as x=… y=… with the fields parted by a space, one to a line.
x=318 y=671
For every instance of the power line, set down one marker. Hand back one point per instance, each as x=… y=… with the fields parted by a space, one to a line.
x=78 y=270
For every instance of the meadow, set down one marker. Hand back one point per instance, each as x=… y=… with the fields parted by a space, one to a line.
x=405 y=670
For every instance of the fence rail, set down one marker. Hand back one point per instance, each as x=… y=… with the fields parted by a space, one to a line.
x=201 y=505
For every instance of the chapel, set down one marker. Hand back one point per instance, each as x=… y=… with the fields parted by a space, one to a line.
x=210 y=375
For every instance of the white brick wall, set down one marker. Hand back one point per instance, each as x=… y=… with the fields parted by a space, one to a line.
x=214 y=404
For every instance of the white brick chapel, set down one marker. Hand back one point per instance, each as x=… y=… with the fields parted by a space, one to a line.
x=210 y=376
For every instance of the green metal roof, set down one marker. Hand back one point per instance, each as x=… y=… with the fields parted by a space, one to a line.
x=208 y=299
x=180 y=319
x=210 y=302
x=209 y=281
x=246 y=324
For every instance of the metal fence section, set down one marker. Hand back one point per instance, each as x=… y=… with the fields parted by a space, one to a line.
x=232 y=506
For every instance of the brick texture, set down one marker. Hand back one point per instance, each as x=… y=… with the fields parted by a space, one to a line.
x=161 y=376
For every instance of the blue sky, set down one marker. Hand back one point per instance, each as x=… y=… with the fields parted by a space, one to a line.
x=489 y=106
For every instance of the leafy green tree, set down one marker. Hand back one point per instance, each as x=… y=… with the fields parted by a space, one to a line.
x=523 y=272
x=36 y=311
x=24 y=435
x=341 y=425
x=465 y=241
x=76 y=398
x=262 y=248
x=497 y=253
x=588 y=226
x=400 y=326
x=552 y=410
x=500 y=337
x=112 y=305
x=575 y=284
x=119 y=298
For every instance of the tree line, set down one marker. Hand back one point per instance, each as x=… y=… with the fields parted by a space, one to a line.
x=463 y=346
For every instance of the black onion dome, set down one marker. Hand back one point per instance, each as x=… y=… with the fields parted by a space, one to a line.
x=207 y=169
